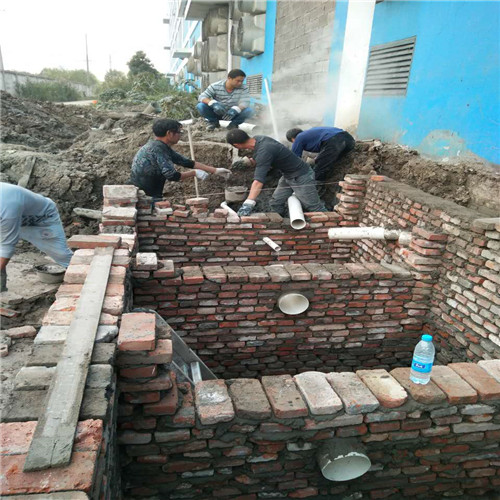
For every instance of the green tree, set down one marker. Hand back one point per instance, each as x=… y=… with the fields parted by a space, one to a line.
x=115 y=79
x=140 y=63
x=70 y=75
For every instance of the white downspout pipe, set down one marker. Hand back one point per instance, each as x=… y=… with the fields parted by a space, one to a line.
x=297 y=219
x=369 y=233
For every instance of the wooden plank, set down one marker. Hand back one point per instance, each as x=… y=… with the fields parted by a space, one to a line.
x=52 y=442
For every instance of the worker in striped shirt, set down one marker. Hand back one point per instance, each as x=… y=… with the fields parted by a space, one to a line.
x=227 y=99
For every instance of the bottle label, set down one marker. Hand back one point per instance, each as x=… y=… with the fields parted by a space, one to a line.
x=420 y=366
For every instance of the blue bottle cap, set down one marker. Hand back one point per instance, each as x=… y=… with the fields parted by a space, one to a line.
x=427 y=338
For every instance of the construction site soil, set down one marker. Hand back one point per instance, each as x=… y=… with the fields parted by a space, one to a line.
x=69 y=152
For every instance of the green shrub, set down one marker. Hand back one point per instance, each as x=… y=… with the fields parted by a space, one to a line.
x=48 y=91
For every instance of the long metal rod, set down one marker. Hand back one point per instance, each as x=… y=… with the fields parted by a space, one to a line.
x=191 y=148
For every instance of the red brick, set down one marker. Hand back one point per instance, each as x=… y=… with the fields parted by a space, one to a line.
x=166 y=405
x=137 y=332
x=385 y=388
x=485 y=385
x=162 y=382
x=427 y=394
x=304 y=493
x=20 y=332
x=284 y=397
x=89 y=241
x=456 y=389
x=213 y=404
x=141 y=372
x=143 y=397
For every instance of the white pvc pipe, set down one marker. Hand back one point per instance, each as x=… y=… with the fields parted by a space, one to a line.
x=343 y=460
x=272 y=244
x=297 y=219
x=246 y=127
x=271 y=111
x=293 y=303
x=371 y=233
x=230 y=210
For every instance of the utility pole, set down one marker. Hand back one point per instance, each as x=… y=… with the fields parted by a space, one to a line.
x=4 y=87
x=87 y=59
x=110 y=67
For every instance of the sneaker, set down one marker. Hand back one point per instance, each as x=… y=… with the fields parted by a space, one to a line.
x=231 y=126
x=212 y=126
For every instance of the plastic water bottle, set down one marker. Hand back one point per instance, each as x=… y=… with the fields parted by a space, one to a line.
x=423 y=359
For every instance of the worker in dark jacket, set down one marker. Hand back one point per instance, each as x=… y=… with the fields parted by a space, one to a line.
x=154 y=162
x=297 y=176
x=330 y=142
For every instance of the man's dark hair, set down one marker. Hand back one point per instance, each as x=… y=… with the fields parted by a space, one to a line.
x=164 y=125
x=237 y=136
x=293 y=133
x=235 y=73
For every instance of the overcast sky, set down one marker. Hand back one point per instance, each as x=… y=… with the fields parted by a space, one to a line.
x=35 y=34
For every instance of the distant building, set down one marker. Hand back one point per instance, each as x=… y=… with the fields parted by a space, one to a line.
x=423 y=73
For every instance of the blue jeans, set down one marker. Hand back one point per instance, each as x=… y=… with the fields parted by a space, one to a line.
x=49 y=239
x=206 y=111
x=305 y=190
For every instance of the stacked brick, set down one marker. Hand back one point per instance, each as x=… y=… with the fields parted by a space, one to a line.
x=456 y=252
x=93 y=471
x=359 y=315
x=191 y=235
x=351 y=199
x=247 y=439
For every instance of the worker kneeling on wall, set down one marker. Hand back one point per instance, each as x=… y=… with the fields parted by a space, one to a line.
x=330 y=142
x=32 y=217
x=154 y=163
x=297 y=176
x=227 y=99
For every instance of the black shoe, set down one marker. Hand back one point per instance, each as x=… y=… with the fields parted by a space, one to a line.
x=212 y=126
x=231 y=126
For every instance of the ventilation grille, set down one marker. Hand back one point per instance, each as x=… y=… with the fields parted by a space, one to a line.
x=254 y=83
x=389 y=68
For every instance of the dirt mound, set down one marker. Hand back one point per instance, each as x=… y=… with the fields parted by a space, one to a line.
x=41 y=125
x=76 y=150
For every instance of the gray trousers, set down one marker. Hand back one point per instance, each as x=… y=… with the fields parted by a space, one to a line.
x=304 y=188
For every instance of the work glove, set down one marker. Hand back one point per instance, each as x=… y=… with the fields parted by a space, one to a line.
x=3 y=280
x=217 y=108
x=246 y=208
x=201 y=174
x=223 y=172
x=232 y=113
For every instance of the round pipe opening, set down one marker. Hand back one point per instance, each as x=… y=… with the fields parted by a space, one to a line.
x=298 y=223
x=293 y=303
x=343 y=460
x=344 y=468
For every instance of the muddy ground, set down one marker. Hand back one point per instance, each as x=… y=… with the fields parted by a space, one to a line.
x=76 y=150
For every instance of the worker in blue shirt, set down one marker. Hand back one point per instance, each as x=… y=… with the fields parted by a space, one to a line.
x=330 y=142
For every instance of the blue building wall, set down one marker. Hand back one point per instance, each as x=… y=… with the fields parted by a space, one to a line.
x=264 y=62
x=452 y=102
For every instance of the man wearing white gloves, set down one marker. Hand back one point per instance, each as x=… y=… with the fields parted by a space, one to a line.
x=154 y=163
x=227 y=99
